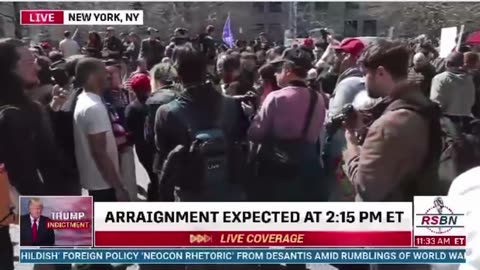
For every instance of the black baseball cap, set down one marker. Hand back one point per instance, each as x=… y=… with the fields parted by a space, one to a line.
x=455 y=59
x=298 y=57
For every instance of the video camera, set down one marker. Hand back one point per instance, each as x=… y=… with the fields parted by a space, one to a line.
x=347 y=112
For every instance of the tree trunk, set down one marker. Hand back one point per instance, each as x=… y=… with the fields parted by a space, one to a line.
x=16 y=14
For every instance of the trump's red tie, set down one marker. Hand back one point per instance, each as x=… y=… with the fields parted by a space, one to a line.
x=34 y=230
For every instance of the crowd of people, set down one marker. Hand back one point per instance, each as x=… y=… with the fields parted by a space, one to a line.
x=319 y=121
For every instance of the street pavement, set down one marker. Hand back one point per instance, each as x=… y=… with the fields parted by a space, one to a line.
x=142 y=181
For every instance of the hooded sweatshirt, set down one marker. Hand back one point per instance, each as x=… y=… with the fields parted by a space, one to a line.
x=354 y=71
x=455 y=92
x=467 y=187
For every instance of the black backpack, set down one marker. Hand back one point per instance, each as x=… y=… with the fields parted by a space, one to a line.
x=200 y=170
x=424 y=182
x=454 y=147
x=461 y=148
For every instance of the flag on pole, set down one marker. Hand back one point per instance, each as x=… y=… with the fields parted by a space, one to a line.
x=74 y=36
x=227 y=33
x=460 y=36
x=77 y=37
x=390 y=32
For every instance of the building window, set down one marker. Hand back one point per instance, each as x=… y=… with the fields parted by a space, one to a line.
x=370 y=28
x=303 y=5
x=352 y=5
x=321 y=6
x=275 y=7
x=259 y=7
x=350 y=28
x=258 y=28
x=275 y=29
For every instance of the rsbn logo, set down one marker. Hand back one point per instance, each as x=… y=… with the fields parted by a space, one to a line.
x=439 y=218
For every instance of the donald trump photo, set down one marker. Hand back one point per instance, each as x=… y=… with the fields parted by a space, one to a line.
x=33 y=226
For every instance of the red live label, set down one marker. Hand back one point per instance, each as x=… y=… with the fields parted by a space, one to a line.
x=29 y=17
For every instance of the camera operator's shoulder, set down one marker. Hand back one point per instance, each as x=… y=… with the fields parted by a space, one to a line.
x=10 y=114
x=400 y=122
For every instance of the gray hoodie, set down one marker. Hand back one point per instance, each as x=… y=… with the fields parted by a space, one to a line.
x=455 y=92
x=345 y=93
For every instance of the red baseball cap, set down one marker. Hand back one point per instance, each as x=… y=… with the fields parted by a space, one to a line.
x=353 y=46
x=309 y=43
x=45 y=45
x=140 y=83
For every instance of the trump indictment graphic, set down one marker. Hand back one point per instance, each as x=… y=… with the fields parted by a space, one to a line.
x=56 y=221
x=439 y=221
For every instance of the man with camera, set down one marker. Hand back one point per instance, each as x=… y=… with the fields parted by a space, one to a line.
x=401 y=148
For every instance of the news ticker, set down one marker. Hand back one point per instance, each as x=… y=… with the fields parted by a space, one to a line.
x=242 y=256
x=81 y=17
x=429 y=221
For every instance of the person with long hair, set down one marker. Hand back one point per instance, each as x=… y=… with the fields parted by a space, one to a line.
x=94 y=45
x=27 y=143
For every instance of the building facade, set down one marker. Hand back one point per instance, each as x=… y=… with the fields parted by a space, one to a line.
x=248 y=19
x=7 y=19
x=347 y=19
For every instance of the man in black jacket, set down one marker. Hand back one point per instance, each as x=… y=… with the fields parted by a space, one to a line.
x=152 y=49
x=202 y=105
x=164 y=91
x=112 y=45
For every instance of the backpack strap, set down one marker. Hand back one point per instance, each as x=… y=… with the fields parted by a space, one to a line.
x=431 y=162
x=311 y=109
x=313 y=98
x=192 y=127
x=5 y=108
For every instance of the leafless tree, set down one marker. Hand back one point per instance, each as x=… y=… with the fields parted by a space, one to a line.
x=414 y=18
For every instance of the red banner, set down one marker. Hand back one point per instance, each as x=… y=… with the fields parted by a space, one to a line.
x=68 y=225
x=41 y=17
x=257 y=239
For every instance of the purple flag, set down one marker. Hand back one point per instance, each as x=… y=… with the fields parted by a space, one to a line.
x=227 y=33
